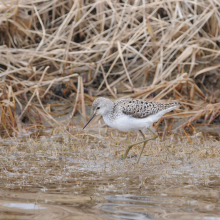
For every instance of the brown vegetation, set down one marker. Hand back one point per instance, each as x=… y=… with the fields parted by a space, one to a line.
x=55 y=56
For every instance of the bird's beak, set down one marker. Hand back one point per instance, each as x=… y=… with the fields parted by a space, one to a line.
x=89 y=120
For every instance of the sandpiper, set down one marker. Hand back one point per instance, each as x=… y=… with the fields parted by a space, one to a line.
x=131 y=115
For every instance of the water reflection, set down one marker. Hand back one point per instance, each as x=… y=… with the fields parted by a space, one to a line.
x=134 y=211
x=121 y=207
x=176 y=204
x=120 y=214
x=30 y=206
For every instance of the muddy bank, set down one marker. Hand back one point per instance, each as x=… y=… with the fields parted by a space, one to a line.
x=85 y=178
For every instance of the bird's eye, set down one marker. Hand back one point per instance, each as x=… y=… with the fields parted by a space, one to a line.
x=98 y=107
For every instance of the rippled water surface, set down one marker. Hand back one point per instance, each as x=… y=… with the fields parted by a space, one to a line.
x=83 y=177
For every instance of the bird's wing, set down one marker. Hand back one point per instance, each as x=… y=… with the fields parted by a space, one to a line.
x=138 y=108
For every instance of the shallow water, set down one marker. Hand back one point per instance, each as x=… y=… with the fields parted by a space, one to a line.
x=84 y=178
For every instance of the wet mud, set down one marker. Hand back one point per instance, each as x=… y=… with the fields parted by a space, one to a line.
x=59 y=177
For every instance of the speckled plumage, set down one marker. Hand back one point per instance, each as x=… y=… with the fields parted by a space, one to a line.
x=131 y=114
x=138 y=108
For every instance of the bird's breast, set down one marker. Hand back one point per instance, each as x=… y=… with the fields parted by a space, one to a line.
x=127 y=123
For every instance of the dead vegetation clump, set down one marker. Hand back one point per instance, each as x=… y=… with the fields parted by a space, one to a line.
x=56 y=56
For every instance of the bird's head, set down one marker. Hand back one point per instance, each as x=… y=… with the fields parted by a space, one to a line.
x=100 y=106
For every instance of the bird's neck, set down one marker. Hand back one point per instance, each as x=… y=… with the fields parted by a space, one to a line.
x=107 y=115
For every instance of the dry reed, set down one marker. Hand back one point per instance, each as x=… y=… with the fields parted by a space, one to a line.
x=56 y=56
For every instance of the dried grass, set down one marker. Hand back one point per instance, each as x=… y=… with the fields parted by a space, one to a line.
x=153 y=50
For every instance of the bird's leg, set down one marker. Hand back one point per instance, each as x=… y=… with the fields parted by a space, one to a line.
x=143 y=145
x=154 y=134
x=144 y=141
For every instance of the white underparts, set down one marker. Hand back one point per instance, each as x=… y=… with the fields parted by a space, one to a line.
x=127 y=123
